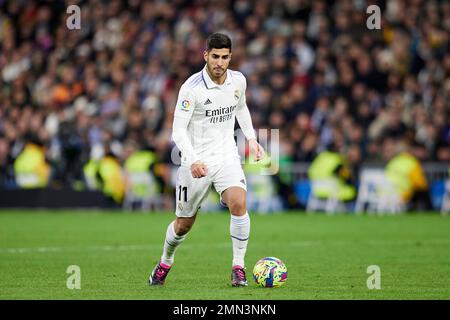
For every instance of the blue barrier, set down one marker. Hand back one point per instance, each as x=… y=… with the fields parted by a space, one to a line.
x=302 y=190
x=437 y=190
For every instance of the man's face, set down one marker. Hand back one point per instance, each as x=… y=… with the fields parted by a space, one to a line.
x=217 y=61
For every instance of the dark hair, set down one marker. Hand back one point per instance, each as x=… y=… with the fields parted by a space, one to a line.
x=33 y=138
x=218 y=41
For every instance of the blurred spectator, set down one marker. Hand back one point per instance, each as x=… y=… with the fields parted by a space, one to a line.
x=112 y=181
x=30 y=167
x=405 y=172
x=331 y=176
x=6 y=176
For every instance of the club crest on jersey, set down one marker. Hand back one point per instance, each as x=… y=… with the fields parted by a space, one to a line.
x=185 y=105
x=237 y=94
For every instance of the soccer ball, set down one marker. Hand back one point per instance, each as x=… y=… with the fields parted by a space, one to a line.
x=270 y=272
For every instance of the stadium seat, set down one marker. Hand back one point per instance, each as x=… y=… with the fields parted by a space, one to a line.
x=376 y=194
x=331 y=204
x=261 y=194
x=142 y=190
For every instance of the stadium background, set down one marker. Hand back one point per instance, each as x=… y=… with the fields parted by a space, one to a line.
x=314 y=71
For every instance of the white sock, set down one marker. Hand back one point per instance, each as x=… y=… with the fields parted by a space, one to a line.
x=239 y=231
x=171 y=242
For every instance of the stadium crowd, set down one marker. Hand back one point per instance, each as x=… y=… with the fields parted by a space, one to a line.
x=314 y=70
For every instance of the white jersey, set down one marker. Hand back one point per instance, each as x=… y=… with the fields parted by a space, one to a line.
x=205 y=116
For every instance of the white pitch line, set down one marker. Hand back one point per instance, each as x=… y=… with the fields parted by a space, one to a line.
x=99 y=248
x=66 y=249
x=187 y=246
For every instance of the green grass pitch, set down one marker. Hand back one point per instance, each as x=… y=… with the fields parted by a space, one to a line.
x=327 y=256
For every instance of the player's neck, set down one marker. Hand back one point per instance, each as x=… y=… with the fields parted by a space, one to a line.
x=217 y=80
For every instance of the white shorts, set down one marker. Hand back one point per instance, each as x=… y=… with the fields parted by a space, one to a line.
x=191 y=192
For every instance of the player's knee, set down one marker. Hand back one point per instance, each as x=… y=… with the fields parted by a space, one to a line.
x=237 y=206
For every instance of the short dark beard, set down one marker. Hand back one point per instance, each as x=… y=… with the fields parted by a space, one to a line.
x=211 y=72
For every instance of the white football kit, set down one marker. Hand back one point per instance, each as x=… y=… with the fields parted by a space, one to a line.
x=203 y=130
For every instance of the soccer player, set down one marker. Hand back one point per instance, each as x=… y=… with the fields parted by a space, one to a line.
x=203 y=130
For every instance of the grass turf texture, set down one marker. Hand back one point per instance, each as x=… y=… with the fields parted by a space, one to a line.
x=326 y=256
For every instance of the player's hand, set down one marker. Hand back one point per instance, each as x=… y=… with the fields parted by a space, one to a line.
x=256 y=149
x=199 y=170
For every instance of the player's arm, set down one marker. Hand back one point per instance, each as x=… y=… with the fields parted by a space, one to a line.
x=245 y=122
x=182 y=116
x=180 y=137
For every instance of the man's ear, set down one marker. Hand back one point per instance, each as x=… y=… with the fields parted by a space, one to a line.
x=205 y=55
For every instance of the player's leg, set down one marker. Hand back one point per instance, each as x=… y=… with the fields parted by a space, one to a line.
x=234 y=198
x=175 y=235
x=190 y=193
x=232 y=188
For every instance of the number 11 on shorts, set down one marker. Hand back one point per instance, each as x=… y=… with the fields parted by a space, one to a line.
x=184 y=190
